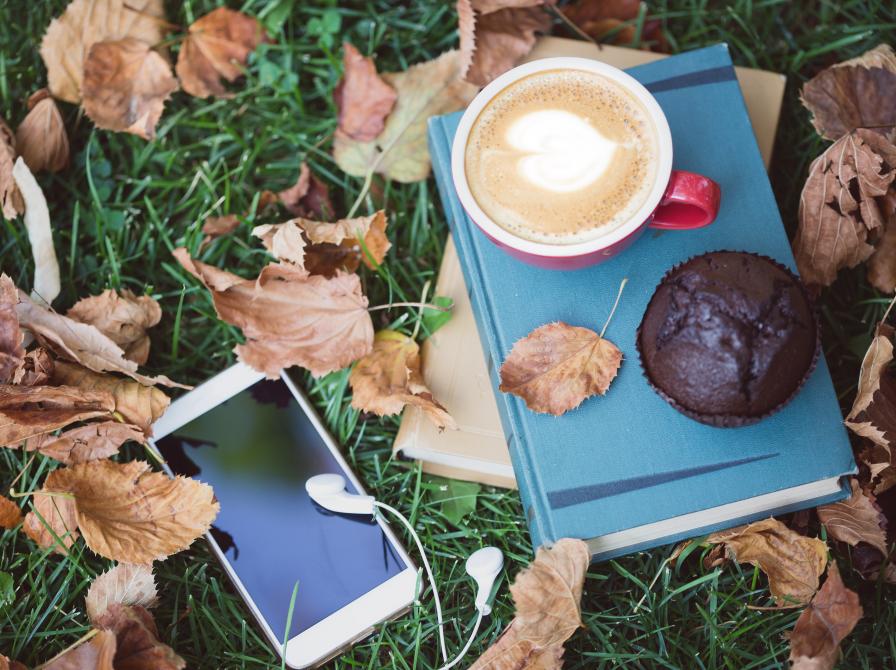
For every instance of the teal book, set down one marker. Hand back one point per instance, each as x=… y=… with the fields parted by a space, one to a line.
x=626 y=471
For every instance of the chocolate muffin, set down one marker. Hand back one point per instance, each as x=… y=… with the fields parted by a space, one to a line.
x=729 y=338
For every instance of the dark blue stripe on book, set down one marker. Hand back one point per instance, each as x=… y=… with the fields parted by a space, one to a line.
x=699 y=78
x=582 y=494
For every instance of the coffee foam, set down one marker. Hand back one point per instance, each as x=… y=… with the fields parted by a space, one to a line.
x=562 y=156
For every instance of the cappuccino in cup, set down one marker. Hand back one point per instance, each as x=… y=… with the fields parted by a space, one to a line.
x=562 y=156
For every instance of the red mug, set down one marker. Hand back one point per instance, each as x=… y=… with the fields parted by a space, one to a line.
x=678 y=200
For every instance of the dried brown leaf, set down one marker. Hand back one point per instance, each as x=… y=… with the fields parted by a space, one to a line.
x=123 y=318
x=347 y=232
x=284 y=240
x=598 y=19
x=10 y=514
x=289 y=318
x=856 y=519
x=138 y=645
x=12 y=354
x=792 y=562
x=125 y=86
x=218 y=226
x=95 y=654
x=308 y=197
x=125 y=584
x=388 y=378
x=85 y=22
x=41 y=138
x=7 y=664
x=53 y=517
x=547 y=596
x=86 y=443
x=11 y=202
x=556 y=366
x=36 y=368
x=217 y=47
x=860 y=93
x=362 y=98
x=40 y=235
x=828 y=619
x=129 y=514
x=882 y=263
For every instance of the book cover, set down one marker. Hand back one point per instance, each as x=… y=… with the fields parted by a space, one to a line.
x=628 y=459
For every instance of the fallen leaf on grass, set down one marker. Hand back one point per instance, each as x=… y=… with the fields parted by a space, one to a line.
x=556 y=366
x=41 y=138
x=40 y=235
x=600 y=18
x=36 y=369
x=124 y=584
x=218 y=226
x=856 y=519
x=137 y=640
x=129 y=514
x=346 y=234
x=6 y=664
x=289 y=318
x=495 y=35
x=400 y=152
x=53 y=522
x=859 y=93
x=11 y=203
x=547 y=596
x=217 y=47
x=123 y=318
x=28 y=411
x=388 y=378
x=284 y=240
x=95 y=654
x=840 y=205
x=84 y=23
x=12 y=354
x=309 y=196
x=828 y=619
x=362 y=98
x=86 y=443
x=10 y=514
x=792 y=562
x=125 y=86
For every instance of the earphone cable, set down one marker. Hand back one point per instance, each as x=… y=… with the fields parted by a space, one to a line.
x=463 y=652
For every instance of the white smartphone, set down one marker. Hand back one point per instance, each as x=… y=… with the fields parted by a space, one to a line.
x=256 y=441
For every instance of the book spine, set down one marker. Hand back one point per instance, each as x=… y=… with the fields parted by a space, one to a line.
x=513 y=430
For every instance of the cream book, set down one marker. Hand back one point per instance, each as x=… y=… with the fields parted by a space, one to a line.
x=454 y=364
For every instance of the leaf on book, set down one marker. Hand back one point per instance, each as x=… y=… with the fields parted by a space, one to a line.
x=556 y=366
x=826 y=621
x=858 y=93
x=96 y=654
x=856 y=519
x=86 y=443
x=842 y=204
x=618 y=22
x=124 y=584
x=548 y=597
x=793 y=562
x=12 y=354
x=11 y=203
x=10 y=514
x=41 y=139
x=388 y=378
x=137 y=640
x=362 y=98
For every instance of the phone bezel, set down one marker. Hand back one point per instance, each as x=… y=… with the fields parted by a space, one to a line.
x=348 y=624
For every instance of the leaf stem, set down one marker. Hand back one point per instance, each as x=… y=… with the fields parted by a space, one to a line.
x=572 y=26
x=22 y=471
x=422 y=305
x=52 y=494
x=615 y=305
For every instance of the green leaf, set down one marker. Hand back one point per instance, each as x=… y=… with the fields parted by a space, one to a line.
x=458 y=497
x=7 y=590
x=433 y=319
x=275 y=14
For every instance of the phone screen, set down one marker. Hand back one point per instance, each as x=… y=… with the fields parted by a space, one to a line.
x=256 y=450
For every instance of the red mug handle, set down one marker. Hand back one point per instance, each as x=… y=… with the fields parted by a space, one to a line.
x=690 y=201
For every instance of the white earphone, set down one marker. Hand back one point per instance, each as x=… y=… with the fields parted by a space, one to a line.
x=483 y=565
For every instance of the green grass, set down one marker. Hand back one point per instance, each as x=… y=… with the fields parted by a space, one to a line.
x=123 y=204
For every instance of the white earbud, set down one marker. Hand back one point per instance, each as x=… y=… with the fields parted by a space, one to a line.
x=484 y=566
x=329 y=492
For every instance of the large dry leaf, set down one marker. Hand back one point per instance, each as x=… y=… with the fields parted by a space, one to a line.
x=54 y=516
x=123 y=318
x=124 y=584
x=80 y=342
x=137 y=638
x=137 y=404
x=95 y=654
x=27 y=411
x=10 y=514
x=829 y=618
x=12 y=354
x=86 y=443
x=388 y=378
x=860 y=93
x=41 y=138
x=129 y=514
x=217 y=47
x=556 y=366
x=289 y=318
x=494 y=36
x=362 y=98
x=40 y=235
x=11 y=203
x=840 y=205
x=548 y=598
x=125 y=86
x=792 y=562
x=36 y=369
x=856 y=519
x=400 y=152
x=68 y=38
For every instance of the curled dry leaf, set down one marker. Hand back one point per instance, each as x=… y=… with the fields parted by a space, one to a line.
x=86 y=443
x=882 y=263
x=400 y=152
x=547 y=596
x=10 y=514
x=96 y=654
x=36 y=368
x=137 y=640
x=12 y=354
x=829 y=618
x=41 y=138
x=125 y=86
x=128 y=513
x=284 y=240
x=841 y=205
x=309 y=196
x=28 y=411
x=123 y=318
x=362 y=98
x=389 y=377
x=556 y=366
x=218 y=226
x=40 y=235
x=11 y=203
x=856 y=519
x=496 y=34
x=124 y=584
x=68 y=38
x=346 y=234
x=53 y=522
x=859 y=93
x=217 y=47
x=616 y=20
x=289 y=318
x=793 y=563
